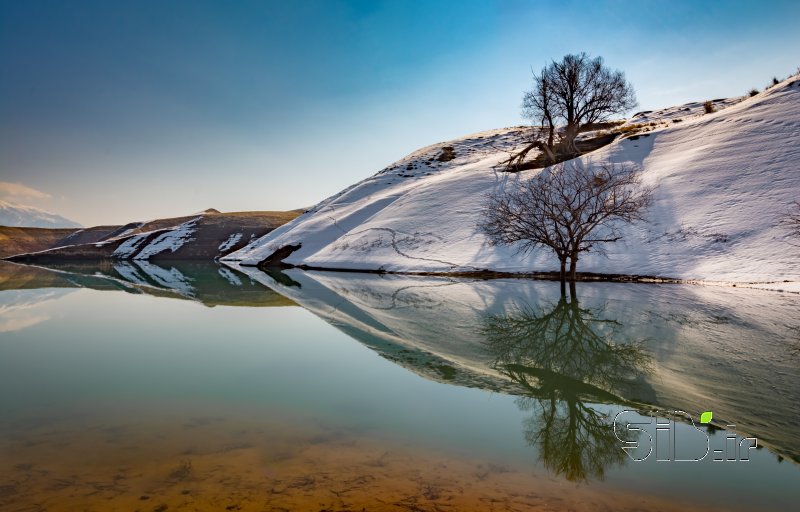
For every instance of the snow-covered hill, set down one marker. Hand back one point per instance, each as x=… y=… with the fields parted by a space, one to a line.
x=27 y=216
x=204 y=236
x=724 y=182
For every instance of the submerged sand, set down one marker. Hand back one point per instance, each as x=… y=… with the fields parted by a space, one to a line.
x=260 y=464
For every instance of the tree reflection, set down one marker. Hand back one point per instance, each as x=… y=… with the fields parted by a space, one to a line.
x=563 y=356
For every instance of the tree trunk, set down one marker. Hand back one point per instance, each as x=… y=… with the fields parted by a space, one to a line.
x=548 y=150
x=563 y=277
x=570 y=134
x=551 y=136
x=516 y=160
x=573 y=267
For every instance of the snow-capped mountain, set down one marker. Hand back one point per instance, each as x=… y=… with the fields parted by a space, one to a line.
x=724 y=182
x=27 y=216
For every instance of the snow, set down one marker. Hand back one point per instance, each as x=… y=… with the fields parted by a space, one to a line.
x=130 y=246
x=724 y=182
x=682 y=112
x=230 y=242
x=169 y=240
x=787 y=286
x=17 y=215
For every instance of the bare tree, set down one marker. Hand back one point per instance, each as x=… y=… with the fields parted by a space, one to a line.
x=574 y=92
x=567 y=208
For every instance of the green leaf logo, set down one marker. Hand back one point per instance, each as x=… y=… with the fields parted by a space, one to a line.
x=706 y=417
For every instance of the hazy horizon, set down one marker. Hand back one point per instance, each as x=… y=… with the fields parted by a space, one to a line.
x=112 y=113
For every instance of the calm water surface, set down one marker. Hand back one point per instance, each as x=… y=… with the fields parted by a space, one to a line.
x=199 y=387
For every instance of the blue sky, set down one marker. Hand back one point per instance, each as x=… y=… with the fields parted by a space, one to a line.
x=120 y=111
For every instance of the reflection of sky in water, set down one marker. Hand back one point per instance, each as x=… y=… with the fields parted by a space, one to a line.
x=142 y=360
x=20 y=309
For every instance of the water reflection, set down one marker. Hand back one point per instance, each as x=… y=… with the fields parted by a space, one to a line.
x=21 y=309
x=685 y=348
x=208 y=283
x=564 y=355
x=566 y=345
x=674 y=347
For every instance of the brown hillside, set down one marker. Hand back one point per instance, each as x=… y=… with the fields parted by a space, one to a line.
x=14 y=240
x=211 y=230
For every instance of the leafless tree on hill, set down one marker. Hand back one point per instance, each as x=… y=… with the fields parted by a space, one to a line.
x=568 y=208
x=574 y=92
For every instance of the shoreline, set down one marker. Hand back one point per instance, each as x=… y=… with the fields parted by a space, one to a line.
x=484 y=274
x=582 y=277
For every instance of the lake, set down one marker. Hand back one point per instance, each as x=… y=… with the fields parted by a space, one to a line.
x=188 y=386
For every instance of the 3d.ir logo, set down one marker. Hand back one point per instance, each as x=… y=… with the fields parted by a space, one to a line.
x=656 y=435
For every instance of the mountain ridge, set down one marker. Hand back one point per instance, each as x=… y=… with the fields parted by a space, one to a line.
x=202 y=236
x=17 y=215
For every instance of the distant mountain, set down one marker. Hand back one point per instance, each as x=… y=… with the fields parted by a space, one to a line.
x=27 y=216
x=204 y=236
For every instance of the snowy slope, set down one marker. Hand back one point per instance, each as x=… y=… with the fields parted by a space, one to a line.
x=724 y=181
x=205 y=236
x=150 y=243
x=683 y=112
x=28 y=216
